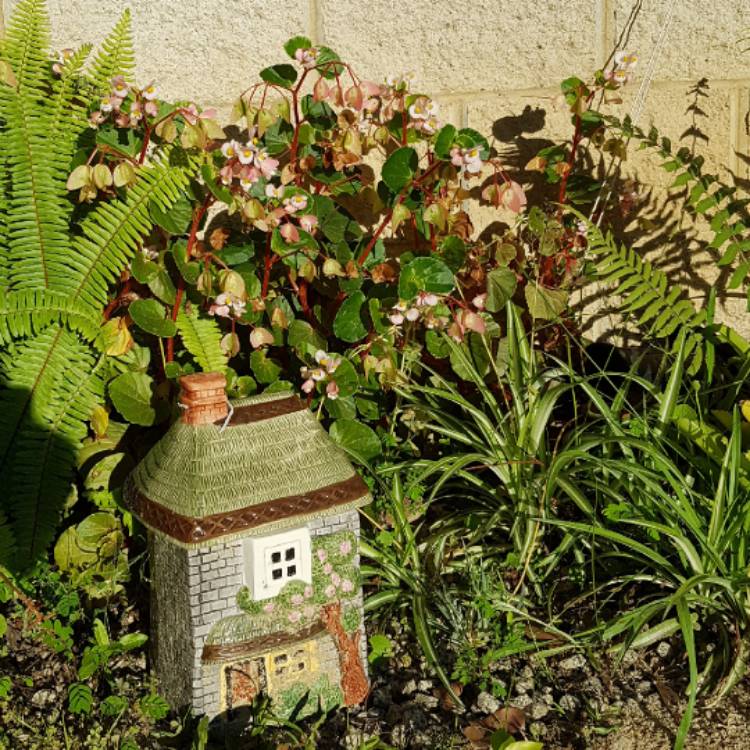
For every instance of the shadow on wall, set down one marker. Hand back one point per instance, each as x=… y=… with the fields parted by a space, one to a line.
x=660 y=223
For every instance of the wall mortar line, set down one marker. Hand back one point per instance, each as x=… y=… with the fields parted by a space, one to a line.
x=605 y=27
x=315 y=26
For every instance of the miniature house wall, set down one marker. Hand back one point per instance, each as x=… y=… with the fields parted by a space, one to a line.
x=253 y=537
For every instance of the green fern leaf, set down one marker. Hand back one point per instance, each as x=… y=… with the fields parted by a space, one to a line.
x=202 y=338
x=113 y=231
x=28 y=312
x=26 y=45
x=51 y=384
x=115 y=56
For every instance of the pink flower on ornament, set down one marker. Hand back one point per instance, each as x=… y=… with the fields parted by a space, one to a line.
x=335 y=579
x=328 y=568
x=330 y=591
x=308 y=592
x=269 y=608
x=322 y=555
x=297 y=599
x=347 y=586
x=295 y=616
x=345 y=547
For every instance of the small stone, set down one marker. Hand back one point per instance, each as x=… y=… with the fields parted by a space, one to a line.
x=524 y=686
x=643 y=687
x=409 y=687
x=630 y=657
x=539 y=710
x=569 y=703
x=521 y=701
x=425 y=701
x=486 y=703
x=577 y=661
x=424 y=686
x=537 y=729
x=42 y=698
x=663 y=649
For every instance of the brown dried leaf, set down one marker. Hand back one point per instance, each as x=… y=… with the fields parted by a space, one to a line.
x=511 y=719
x=474 y=732
x=383 y=273
x=218 y=238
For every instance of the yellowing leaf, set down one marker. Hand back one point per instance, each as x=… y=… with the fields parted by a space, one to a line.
x=79 y=177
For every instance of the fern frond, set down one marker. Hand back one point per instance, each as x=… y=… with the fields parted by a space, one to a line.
x=114 y=57
x=660 y=308
x=28 y=312
x=26 y=45
x=202 y=338
x=113 y=231
x=51 y=384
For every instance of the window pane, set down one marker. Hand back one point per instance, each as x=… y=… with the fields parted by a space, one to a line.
x=291 y=571
x=276 y=557
x=289 y=554
x=276 y=574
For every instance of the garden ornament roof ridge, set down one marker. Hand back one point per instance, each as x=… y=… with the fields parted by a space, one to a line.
x=271 y=462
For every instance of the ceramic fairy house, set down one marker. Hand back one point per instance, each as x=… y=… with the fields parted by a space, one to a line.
x=253 y=528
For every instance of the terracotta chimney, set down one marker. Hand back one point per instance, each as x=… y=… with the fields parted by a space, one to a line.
x=203 y=397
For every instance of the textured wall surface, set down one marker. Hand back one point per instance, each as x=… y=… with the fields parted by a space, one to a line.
x=493 y=64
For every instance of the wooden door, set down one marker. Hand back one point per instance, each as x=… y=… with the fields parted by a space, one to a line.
x=244 y=681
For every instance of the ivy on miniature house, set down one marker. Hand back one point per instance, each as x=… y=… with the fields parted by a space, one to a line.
x=335 y=578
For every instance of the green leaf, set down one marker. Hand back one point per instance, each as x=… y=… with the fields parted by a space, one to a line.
x=3 y=625
x=545 y=304
x=345 y=377
x=468 y=137
x=326 y=63
x=295 y=43
x=444 y=141
x=264 y=369
x=425 y=275
x=348 y=325
x=399 y=168
x=202 y=338
x=92 y=530
x=80 y=698
x=175 y=220
x=132 y=395
x=143 y=269
x=150 y=315
x=283 y=75
x=218 y=191
x=356 y=438
x=501 y=284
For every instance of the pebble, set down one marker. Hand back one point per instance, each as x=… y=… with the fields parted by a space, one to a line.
x=424 y=686
x=524 y=686
x=663 y=649
x=409 y=687
x=577 y=661
x=643 y=687
x=537 y=729
x=539 y=710
x=569 y=703
x=43 y=698
x=521 y=701
x=425 y=701
x=487 y=703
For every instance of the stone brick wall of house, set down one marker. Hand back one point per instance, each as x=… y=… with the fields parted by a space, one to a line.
x=196 y=588
x=494 y=65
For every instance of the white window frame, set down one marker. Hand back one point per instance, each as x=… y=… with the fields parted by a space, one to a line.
x=260 y=563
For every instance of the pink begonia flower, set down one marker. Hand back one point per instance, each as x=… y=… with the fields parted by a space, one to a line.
x=120 y=87
x=297 y=599
x=122 y=120
x=335 y=579
x=479 y=301
x=227 y=305
x=412 y=314
x=328 y=569
x=426 y=299
x=322 y=555
x=308 y=222
x=347 y=586
x=136 y=113
x=149 y=92
x=308 y=386
x=470 y=321
x=513 y=196
x=328 y=361
x=308 y=592
x=274 y=192
x=62 y=57
x=399 y=82
x=468 y=159
x=248 y=177
x=246 y=154
x=97 y=117
x=345 y=547
x=106 y=104
x=192 y=115
x=295 y=616
x=260 y=337
x=289 y=232
x=624 y=64
x=371 y=88
x=316 y=374
x=297 y=202
x=226 y=174
x=430 y=126
x=265 y=163
x=229 y=149
x=397 y=313
x=268 y=608
x=306 y=57
x=151 y=109
x=330 y=591
x=332 y=390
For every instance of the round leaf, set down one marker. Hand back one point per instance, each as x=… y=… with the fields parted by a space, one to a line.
x=264 y=369
x=425 y=275
x=149 y=315
x=280 y=75
x=501 y=284
x=444 y=141
x=399 y=168
x=131 y=395
x=348 y=325
x=545 y=304
x=356 y=438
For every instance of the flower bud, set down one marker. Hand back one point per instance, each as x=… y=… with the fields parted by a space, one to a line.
x=232 y=282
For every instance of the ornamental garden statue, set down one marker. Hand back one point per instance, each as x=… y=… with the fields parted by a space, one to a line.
x=253 y=530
